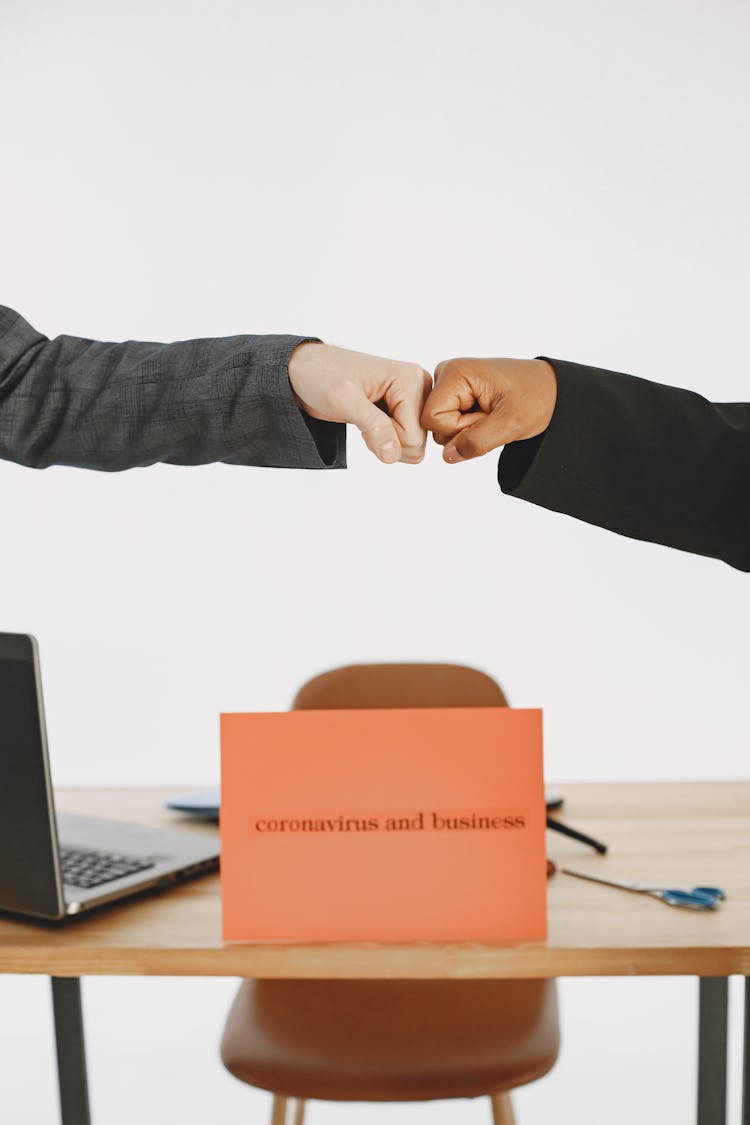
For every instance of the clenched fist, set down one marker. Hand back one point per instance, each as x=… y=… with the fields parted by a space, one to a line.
x=477 y=405
x=383 y=398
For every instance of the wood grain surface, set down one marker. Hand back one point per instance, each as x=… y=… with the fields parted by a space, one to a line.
x=681 y=834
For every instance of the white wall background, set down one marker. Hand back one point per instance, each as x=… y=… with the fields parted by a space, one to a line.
x=416 y=178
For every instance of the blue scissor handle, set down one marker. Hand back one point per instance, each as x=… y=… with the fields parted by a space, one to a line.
x=690 y=899
x=715 y=893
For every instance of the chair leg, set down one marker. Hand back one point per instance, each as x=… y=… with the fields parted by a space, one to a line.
x=278 y=1110
x=299 y=1112
x=502 y=1110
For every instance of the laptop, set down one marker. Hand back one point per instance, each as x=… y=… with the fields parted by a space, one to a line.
x=54 y=866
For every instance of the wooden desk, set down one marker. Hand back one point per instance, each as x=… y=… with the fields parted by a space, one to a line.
x=681 y=834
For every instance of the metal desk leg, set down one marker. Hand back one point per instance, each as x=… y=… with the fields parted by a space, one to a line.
x=746 y=1058
x=712 y=1051
x=71 y=1051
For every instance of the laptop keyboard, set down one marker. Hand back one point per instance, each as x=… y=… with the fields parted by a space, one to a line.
x=86 y=869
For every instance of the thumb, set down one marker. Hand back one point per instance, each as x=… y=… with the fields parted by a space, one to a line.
x=476 y=439
x=376 y=428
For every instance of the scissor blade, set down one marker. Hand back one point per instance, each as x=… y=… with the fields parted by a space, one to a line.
x=637 y=887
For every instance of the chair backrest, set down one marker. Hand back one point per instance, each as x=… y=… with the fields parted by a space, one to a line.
x=399 y=685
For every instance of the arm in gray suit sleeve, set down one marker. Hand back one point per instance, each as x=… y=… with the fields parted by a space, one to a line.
x=70 y=401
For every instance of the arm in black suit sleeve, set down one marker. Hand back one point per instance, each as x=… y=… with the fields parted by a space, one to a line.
x=94 y=405
x=642 y=459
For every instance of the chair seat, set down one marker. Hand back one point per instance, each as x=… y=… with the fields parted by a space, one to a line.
x=391 y=1040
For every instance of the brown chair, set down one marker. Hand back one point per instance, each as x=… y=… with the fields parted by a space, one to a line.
x=392 y=1040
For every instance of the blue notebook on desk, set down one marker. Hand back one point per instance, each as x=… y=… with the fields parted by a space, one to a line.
x=204 y=803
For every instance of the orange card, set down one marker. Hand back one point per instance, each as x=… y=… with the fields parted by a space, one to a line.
x=383 y=825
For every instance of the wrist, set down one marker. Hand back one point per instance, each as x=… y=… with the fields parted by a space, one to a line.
x=545 y=394
x=303 y=361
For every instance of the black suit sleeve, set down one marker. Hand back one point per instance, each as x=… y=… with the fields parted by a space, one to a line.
x=645 y=460
x=94 y=405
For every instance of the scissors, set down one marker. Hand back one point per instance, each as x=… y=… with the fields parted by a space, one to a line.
x=699 y=898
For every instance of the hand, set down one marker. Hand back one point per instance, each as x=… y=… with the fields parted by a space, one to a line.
x=479 y=404
x=342 y=386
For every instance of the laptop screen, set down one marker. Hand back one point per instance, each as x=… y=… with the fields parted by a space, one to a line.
x=27 y=847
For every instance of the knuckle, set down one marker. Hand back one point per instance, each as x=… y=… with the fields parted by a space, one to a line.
x=414 y=381
x=448 y=368
x=377 y=433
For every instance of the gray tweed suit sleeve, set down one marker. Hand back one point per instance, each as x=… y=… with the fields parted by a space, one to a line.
x=70 y=401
